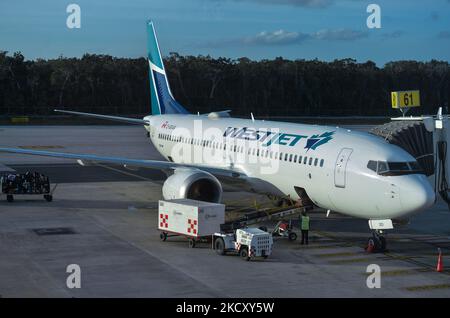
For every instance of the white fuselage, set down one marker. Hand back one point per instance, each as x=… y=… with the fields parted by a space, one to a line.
x=329 y=163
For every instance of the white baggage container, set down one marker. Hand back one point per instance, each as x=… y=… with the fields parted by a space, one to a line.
x=189 y=218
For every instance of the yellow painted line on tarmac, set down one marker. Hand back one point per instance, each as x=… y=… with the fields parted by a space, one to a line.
x=326 y=255
x=401 y=272
x=399 y=257
x=314 y=246
x=428 y=287
x=353 y=260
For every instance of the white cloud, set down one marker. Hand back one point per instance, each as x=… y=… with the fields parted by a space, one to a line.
x=339 y=35
x=280 y=37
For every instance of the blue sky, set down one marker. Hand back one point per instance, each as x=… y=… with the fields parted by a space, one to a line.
x=258 y=29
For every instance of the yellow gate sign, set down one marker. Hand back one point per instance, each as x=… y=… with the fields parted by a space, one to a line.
x=402 y=99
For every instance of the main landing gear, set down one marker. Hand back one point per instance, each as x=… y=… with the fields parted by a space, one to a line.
x=376 y=243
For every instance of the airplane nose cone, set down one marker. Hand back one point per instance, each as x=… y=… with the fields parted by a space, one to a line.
x=417 y=196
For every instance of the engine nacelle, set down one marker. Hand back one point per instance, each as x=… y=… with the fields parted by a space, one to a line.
x=192 y=184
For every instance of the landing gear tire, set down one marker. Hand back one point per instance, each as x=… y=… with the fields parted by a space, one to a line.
x=191 y=243
x=10 y=198
x=372 y=245
x=163 y=236
x=376 y=244
x=48 y=197
x=219 y=246
x=292 y=236
x=243 y=253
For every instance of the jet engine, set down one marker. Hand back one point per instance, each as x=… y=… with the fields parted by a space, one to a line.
x=192 y=184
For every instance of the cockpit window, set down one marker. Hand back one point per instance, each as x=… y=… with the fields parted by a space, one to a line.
x=414 y=165
x=372 y=165
x=382 y=167
x=398 y=166
x=391 y=168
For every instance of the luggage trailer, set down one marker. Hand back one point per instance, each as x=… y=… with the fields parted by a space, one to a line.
x=19 y=190
x=200 y=221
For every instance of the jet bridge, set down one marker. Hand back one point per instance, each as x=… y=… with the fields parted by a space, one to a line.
x=425 y=138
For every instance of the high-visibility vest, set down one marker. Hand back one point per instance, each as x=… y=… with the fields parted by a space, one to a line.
x=305 y=223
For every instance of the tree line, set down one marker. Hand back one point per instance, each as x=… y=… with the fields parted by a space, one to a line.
x=278 y=87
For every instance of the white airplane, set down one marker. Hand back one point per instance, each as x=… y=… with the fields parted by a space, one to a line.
x=354 y=173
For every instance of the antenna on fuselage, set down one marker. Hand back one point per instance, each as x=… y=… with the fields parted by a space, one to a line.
x=253 y=118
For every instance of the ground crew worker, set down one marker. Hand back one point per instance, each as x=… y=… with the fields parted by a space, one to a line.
x=304 y=226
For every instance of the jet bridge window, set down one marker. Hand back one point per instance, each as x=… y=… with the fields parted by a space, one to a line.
x=392 y=168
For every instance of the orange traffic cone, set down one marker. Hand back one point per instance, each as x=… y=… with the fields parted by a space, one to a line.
x=440 y=264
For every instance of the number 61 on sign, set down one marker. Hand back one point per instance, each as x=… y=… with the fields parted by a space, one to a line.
x=402 y=99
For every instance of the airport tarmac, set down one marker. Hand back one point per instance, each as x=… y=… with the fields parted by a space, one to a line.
x=104 y=218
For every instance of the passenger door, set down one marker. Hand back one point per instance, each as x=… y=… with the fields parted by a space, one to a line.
x=341 y=167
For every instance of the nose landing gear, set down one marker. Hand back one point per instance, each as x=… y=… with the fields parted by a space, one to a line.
x=376 y=243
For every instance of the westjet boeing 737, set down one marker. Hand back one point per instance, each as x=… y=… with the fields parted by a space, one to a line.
x=354 y=173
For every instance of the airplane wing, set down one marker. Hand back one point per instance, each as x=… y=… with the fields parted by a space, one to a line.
x=114 y=118
x=151 y=164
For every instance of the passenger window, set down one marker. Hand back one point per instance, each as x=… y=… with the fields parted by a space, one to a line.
x=281 y=156
x=321 y=162
x=316 y=161
x=295 y=158
x=300 y=159
x=310 y=160
x=305 y=160
x=290 y=157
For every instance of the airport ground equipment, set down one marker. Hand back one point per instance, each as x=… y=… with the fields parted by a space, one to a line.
x=195 y=220
x=30 y=183
x=259 y=216
x=249 y=243
x=285 y=229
